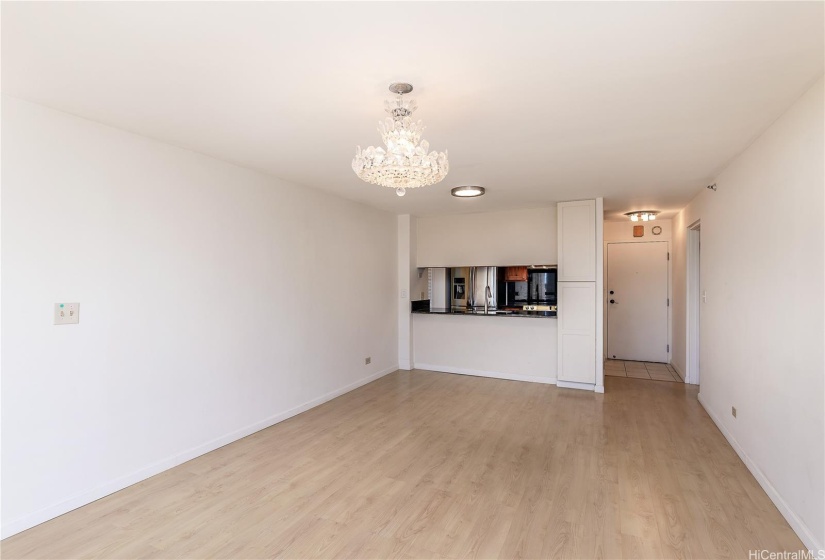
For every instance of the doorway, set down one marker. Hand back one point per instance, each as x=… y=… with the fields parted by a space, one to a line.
x=694 y=243
x=637 y=302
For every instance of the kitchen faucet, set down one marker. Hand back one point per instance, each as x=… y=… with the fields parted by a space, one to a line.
x=487 y=293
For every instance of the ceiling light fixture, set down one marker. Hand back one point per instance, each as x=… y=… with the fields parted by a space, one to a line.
x=643 y=215
x=467 y=191
x=407 y=162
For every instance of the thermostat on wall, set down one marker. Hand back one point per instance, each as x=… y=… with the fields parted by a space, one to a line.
x=656 y=230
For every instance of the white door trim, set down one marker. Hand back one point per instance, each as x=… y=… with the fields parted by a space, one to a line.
x=693 y=303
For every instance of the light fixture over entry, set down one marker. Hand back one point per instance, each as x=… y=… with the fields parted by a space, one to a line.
x=643 y=215
x=406 y=163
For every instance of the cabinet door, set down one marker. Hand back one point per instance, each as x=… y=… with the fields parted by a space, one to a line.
x=515 y=274
x=577 y=241
x=577 y=331
x=518 y=274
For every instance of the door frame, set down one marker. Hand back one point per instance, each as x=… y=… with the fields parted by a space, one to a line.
x=669 y=292
x=693 y=304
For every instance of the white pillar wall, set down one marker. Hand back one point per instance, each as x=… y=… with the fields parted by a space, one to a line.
x=406 y=271
x=599 y=296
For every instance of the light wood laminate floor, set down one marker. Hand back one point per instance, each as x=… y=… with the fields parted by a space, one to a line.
x=433 y=465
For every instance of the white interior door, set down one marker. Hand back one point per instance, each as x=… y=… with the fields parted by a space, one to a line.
x=637 y=301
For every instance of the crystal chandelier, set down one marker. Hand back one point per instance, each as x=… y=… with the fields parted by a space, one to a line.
x=407 y=161
x=643 y=215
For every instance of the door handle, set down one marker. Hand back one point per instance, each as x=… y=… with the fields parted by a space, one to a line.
x=612 y=301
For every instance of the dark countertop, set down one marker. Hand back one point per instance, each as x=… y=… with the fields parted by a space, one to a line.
x=443 y=311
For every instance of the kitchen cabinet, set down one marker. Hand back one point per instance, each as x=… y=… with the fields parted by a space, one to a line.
x=515 y=274
x=580 y=304
x=577 y=332
x=577 y=241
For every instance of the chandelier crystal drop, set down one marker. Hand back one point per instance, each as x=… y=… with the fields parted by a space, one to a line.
x=406 y=162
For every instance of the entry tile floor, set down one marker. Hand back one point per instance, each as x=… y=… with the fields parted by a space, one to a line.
x=641 y=370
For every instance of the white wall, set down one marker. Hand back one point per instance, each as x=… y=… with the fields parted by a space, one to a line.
x=516 y=237
x=622 y=232
x=406 y=283
x=518 y=348
x=618 y=232
x=762 y=328
x=600 y=302
x=205 y=312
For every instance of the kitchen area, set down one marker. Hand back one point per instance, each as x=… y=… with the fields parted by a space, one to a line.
x=474 y=308
x=509 y=291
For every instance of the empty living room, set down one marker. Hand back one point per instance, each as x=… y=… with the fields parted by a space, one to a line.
x=412 y=280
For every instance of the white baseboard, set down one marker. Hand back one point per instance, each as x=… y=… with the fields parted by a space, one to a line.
x=799 y=527
x=599 y=389
x=66 y=505
x=678 y=371
x=493 y=374
x=407 y=366
x=576 y=385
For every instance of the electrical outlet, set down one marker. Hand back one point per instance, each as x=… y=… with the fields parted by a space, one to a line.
x=367 y=361
x=733 y=411
x=66 y=313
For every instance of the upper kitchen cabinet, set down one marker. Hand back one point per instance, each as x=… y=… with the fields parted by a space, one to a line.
x=515 y=274
x=577 y=241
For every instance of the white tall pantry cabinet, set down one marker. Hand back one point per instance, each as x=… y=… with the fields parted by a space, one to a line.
x=579 y=294
x=577 y=241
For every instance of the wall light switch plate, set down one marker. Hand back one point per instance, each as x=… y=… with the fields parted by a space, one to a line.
x=66 y=313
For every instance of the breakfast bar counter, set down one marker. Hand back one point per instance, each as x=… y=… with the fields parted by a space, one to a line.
x=491 y=313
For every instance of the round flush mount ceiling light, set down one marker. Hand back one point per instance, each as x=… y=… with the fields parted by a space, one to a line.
x=467 y=191
x=643 y=215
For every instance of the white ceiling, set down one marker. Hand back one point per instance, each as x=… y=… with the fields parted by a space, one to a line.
x=642 y=103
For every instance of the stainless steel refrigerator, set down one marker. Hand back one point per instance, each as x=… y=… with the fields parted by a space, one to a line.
x=474 y=288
